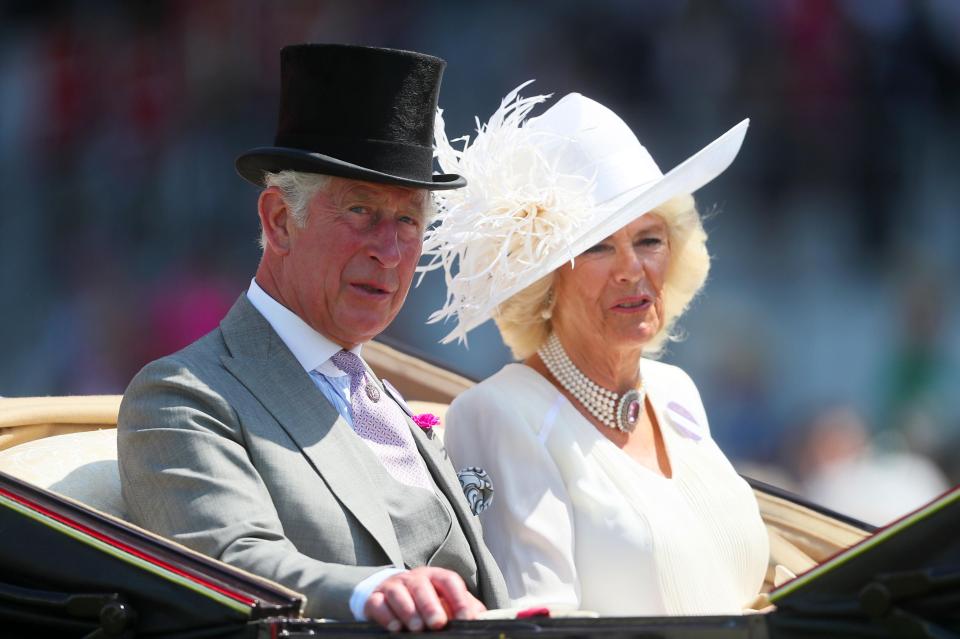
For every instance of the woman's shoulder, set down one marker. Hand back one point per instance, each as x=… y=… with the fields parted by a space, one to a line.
x=665 y=376
x=516 y=391
x=512 y=381
x=675 y=392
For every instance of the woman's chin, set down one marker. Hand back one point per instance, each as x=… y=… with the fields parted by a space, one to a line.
x=636 y=338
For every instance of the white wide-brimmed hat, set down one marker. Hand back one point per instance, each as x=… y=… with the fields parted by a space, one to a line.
x=540 y=192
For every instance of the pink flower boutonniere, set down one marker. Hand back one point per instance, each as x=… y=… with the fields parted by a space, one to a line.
x=426 y=421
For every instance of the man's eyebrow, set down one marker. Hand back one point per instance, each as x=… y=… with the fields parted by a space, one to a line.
x=361 y=191
x=371 y=192
x=416 y=202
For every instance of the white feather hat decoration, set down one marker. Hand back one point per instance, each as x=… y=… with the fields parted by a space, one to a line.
x=540 y=192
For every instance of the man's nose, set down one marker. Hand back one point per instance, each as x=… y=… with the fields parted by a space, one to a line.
x=385 y=244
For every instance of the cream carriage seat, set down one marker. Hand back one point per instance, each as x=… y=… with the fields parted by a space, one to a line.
x=65 y=444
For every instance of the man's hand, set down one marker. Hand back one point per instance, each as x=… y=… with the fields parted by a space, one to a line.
x=421 y=598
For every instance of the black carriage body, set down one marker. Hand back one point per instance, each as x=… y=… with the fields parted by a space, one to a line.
x=69 y=571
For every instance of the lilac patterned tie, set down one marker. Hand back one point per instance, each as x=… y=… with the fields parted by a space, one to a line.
x=381 y=424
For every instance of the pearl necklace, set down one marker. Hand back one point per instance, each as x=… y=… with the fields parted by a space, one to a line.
x=610 y=409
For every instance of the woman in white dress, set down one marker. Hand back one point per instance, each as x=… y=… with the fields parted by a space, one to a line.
x=610 y=494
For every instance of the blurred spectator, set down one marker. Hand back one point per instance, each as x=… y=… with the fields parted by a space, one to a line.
x=919 y=390
x=842 y=471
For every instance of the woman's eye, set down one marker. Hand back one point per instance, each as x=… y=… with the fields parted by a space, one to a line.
x=651 y=242
x=597 y=248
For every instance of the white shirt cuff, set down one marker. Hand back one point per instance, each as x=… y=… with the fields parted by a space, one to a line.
x=363 y=590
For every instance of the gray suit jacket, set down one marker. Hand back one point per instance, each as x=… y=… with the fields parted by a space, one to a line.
x=229 y=448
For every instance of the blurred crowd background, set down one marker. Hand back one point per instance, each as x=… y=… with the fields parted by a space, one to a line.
x=826 y=344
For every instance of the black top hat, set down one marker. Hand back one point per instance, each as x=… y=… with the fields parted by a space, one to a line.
x=355 y=112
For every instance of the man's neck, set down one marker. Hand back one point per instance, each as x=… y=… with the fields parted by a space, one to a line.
x=267 y=280
x=310 y=347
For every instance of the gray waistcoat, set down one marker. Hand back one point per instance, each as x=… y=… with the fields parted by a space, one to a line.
x=426 y=527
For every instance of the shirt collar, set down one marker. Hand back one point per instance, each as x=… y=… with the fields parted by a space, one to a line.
x=310 y=348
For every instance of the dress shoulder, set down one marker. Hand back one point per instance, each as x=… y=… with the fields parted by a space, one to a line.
x=661 y=374
x=515 y=397
x=510 y=380
x=676 y=392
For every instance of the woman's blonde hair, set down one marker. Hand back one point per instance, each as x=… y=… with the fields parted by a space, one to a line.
x=524 y=319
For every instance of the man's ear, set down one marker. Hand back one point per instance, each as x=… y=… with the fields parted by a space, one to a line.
x=275 y=220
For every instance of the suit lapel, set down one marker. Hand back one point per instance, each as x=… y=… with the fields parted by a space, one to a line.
x=264 y=365
x=435 y=457
x=438 y=463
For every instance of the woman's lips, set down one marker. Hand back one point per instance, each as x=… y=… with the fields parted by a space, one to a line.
x=637 y=304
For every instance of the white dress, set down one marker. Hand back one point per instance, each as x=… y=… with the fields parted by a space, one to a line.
x=577 y=523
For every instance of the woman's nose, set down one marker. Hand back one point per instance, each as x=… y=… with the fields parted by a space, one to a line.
x=628 y=266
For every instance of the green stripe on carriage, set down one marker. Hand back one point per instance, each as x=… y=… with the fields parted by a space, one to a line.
x=125 y=556
x=864 y=546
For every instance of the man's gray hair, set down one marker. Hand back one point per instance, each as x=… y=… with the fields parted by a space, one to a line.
x=297 y=189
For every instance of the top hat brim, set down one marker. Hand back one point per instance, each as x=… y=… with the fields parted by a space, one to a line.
x=254 y=164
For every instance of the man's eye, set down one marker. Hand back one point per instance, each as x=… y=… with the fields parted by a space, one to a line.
x=411 y=220
x=362 y=210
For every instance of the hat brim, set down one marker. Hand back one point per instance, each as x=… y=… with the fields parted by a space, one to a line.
x=253 y=164
x=688 y=176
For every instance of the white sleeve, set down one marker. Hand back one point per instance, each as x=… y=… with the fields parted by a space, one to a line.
x=529 y=527
x=363 y=590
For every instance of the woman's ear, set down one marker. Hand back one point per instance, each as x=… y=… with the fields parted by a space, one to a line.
x=275 y=220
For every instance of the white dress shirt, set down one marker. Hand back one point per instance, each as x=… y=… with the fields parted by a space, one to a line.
x=314 y=352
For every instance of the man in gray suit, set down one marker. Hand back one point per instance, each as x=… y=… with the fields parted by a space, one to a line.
x=268 y=443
